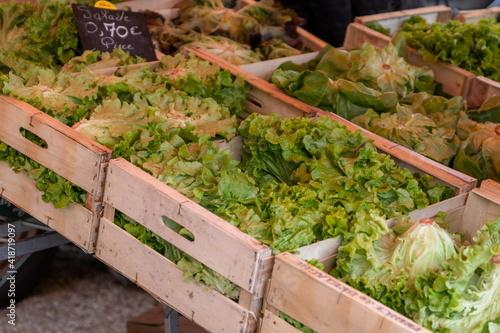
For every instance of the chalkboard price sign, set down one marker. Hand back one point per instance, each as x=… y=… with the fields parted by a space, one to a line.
x=104 y=30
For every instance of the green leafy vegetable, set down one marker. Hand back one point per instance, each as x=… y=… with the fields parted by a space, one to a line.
x=420 y=270
x=473 y=46
x=43 y=32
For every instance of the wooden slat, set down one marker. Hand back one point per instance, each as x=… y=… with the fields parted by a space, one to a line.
x=395 y=20
x=145 y=199
x=164 y=280
x=254 y=301
x=455 y=81
x=483 y=205
x=74 y=222
x=443 y=206
x=357 y=34
x=481 y=88
x=300 y=290
x=454 y=217
x=477 y=14
x=69 y=154
x=491 y=186
x=274 y=324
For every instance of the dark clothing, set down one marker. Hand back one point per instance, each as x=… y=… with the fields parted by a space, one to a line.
x=328 y=19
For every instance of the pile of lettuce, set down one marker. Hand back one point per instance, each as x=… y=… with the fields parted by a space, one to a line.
x=379 y=91
x=140 y=113
x=72 y=100
x=258 y=31
x=299 y=181
x=43 y=33
x=473 y=46
x=420 y=270
x=350 y=83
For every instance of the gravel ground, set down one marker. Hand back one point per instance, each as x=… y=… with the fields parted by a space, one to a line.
x=78 y=295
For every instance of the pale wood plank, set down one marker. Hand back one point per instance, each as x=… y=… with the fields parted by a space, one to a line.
x=395 y=20
x=482 y=206
x=69 y=153
x=404 y=13
x=254 y=301
x=491 y=186
x=481 y=88
x=274 y=324
x=74 y=222
x=163 y=279
x=443 y=206
x=454 y=217
x=477 y=14
x=474 y=215
x=301 y=290
x=145 y=199
x=263 y=277
x=357 y=34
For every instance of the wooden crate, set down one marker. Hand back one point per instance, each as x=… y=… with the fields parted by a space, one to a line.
x=481 y=88
x=394 y=21
x=326 y=304
x=69 y=154
x=455 y=81
x=477 y=14
x=266 y=98
x=217 y=244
